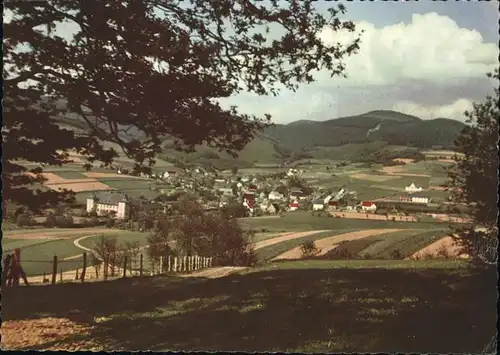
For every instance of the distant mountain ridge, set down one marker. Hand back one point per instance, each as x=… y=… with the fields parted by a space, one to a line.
x=393 y=127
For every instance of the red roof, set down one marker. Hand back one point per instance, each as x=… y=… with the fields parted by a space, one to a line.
x=248 y=196
x=294 y=204
x=250 y=203
x=367 y=203
x=332 y=203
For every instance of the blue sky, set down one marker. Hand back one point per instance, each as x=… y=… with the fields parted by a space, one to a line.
x=445 y=48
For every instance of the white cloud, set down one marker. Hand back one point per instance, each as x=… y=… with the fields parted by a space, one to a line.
x=455 y=110
x=431 y=47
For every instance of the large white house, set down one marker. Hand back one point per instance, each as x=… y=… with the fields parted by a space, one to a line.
x=106 y=202
x=412 y=188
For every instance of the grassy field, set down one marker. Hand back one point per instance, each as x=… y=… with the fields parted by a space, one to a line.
x=304 y=221
x=37 y=253
x=271 y=251
x=69 y=174
x=360 y=306
x=121 y=237
x=36 y=259
x=382 y=246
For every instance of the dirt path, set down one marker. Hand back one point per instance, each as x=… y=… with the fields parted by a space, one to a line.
x=324 y=245
x=284 y=237
x=396 y=170
x=96 y=175
x=443 y=247
x=51 y=332
x=215 y=272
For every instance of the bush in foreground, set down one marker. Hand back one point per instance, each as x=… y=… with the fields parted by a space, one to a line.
x=194 y=231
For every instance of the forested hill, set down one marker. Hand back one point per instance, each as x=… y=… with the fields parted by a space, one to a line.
x=395 y=128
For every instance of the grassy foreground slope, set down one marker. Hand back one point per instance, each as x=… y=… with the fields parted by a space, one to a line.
x=301 y=310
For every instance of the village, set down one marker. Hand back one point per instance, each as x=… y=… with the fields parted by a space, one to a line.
x=260 y=194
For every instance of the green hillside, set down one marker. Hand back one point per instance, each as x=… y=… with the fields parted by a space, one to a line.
x=340 y=138
x=392 y=127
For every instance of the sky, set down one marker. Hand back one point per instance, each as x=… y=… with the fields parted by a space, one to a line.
x=424 y=58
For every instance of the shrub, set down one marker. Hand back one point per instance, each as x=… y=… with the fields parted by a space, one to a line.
x=84 y=222
x=396 y=254
x=308 y=248
x=110 y=222
x=64 y=221
x=50 y=221
x=25 y=220
x=94 y=222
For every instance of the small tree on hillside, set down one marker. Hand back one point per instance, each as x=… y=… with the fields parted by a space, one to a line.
x=308 y=248
x=195 y=231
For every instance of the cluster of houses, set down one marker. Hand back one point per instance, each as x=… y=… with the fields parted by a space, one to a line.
x=255 y=193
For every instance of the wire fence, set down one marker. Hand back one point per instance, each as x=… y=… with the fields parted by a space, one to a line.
x=90 y=266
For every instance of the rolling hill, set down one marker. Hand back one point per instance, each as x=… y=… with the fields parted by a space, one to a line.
x=390 y=127
x=395 y=128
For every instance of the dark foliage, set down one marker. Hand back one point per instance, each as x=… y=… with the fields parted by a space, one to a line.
x=135 y=72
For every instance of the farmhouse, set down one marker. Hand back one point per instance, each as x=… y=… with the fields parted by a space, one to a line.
x=296 y=192
x=103 y=203
x=275 y=196
x=318 y=205
x=412 y=188
x=368 y=206
x=249 y=204
x=291 y=172
x=294 y=206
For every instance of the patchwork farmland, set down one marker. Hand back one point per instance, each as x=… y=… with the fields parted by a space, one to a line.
x=360 y=247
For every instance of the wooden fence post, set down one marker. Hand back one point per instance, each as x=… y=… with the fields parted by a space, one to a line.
x=140 y=264
x=161 y=264
x=189 y=263
x=185 y=263
x=19 y=270
x=175 y=264
x=54 y=270
x=169 y=266
x=60 y=275
x=76 y=274
x=125 y=266
x=84 y=267
x=5 y=270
